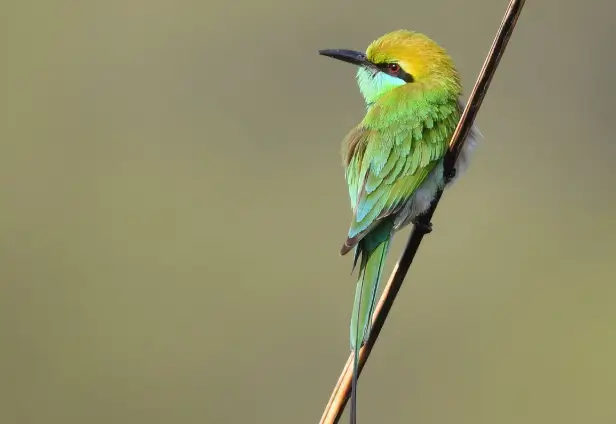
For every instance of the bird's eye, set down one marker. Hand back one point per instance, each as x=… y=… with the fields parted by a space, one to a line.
x=393 y=68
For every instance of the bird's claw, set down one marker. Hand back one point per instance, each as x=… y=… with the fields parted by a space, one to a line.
x=450 y=174
x=425 y=227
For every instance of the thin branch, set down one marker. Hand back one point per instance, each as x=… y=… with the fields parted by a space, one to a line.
x=341 y=392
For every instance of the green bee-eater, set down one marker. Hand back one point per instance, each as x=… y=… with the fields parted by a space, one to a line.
x=394 y=158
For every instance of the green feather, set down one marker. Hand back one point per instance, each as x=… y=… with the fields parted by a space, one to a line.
x=373 y=250
x=388 y=156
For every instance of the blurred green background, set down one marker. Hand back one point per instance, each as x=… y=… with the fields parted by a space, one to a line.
x=172 y=205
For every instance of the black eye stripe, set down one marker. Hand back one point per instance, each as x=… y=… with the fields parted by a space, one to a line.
x=402 y=74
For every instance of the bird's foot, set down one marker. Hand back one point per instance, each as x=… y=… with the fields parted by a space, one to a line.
x=425 y=227
x=450 y=174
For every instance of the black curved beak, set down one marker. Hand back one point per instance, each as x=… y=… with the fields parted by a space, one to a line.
x=349 y=56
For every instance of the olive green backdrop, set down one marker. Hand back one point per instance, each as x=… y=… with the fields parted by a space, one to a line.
x=172 y=205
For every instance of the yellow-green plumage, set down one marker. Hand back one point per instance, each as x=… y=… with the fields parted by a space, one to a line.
x=393 y=158
x=383 y=171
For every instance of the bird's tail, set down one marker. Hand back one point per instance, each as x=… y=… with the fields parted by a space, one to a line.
x=373 y=250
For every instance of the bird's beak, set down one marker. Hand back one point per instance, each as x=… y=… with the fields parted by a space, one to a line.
x=349 y=56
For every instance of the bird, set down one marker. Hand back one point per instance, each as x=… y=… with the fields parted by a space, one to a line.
x=393 y=159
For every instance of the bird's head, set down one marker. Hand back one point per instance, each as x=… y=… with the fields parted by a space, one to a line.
x=401 y=59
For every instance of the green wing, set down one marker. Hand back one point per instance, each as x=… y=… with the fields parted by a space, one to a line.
x=387 y=161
